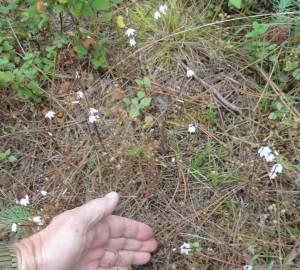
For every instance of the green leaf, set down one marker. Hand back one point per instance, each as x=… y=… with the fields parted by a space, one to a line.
x=12 y=159
x=291 y=65
x=145 y=102
x=107 y=17
x=86 y=10
x=101 y=5
x=134 y=112
x=6 y=76
x=147 y=82
x=2 y=156
x=127 y=101
x=136 y=151
x=141 y=94
x=7 y=152
x=81 y=51
x=135 y=101
x=296 y=74
x=236 y=3
x=139 y=82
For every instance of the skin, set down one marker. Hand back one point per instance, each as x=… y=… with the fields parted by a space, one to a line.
x=88 y=238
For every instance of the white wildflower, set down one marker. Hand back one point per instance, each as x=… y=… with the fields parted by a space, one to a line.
x=79 y=95
x=191 y=128
x=173 y=159
x=276 y=169
x=190 y=73
x=77 y=75
x=93 y=118
x=247 y=267
x=157 y=15
x=14 y=227
x=185 y=248
x=266 y=152
x=93 y=111
x=37 y=220
x=130 y=32
x=24 y=201
x=50 y=114
x=44 y=193
x=163 y=9
x=132 y=42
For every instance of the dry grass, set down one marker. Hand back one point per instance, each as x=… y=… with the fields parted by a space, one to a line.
x=209 y=187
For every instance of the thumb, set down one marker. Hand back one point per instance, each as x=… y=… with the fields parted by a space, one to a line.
x=94 y=211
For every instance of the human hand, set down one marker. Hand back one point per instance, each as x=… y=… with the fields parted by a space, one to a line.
x=88 y=238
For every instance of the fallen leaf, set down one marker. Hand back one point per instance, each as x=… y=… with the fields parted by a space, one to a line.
x=87 y=42
x=64 y=87
x=40 y=6
x=117 y=94
x=120 y=22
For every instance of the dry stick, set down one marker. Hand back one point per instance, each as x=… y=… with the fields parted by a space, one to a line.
x=15 y=36
x=217 y=94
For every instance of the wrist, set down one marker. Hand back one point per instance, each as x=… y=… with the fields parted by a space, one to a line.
x=27 y=254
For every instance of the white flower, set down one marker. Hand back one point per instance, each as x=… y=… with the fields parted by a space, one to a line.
x=163 y=9
x=93 y=118
x=276 y=169
x=77 y=75
x=130 y=32
x=132 y=42
x=44 y=193
x=190 y=73
x=37 y=220
x=191 y=128
x=14 y=227
x=266 y=152
x=156 y=15
x=50 y=114
x=24 y=201
x=79 y=95
x=247 y=267
x=93 y=111
x=173 y=159
x=185 y=248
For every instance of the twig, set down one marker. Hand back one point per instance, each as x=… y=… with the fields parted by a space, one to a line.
x=218 y=95
x=14 y=34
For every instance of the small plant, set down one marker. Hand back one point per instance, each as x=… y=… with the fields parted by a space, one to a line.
x=239 y=4
x=6 y=157
x=16 y=214
x=280 y=113
x=140 y=101
x=196 y=247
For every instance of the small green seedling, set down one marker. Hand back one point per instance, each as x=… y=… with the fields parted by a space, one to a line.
x=140 y=101
x=196 y=247
x=7 y=157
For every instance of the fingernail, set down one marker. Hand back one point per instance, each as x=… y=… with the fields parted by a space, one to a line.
x=111 y=195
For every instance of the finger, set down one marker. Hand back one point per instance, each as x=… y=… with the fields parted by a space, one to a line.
x=117 y=244
x=121 y=227
x=124 y=258
x=94 y=211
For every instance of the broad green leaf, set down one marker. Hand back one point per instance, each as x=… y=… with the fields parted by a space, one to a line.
x=291 y=65
x=127 y=101
x=101 y=4
x=141 y=94
x=6 y=76
x=12 y=159
x=236 y=3
x=81 y=51
x=147 y=82
x=107 y=17
x=2 y=156
x=134 y=112
x=135 y=101
x=7 y=152
x=145 y=102
x=296 y=74
x=139 y=82
x=86 y=10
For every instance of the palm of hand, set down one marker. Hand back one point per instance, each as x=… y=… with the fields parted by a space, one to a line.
x=89 y=238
